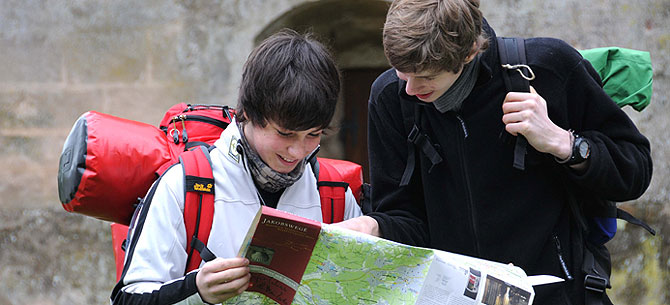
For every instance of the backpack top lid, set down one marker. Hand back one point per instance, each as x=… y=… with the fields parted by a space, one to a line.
x=626 y=74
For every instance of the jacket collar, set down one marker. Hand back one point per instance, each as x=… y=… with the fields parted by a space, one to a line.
x=489 y=57
x=229 y=144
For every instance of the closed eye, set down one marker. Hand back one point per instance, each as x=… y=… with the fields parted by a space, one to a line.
x=284 y=134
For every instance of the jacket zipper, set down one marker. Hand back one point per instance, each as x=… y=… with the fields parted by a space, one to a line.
x=466 y=177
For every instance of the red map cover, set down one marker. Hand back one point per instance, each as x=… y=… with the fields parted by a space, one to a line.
x=279 y=246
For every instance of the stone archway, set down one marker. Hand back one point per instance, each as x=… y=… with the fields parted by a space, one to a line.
x=353 y=31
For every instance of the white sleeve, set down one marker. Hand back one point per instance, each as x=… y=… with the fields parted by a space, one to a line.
x=157 y=251
x=351 y=208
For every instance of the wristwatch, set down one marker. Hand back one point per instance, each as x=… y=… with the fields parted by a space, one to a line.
x=581 y=150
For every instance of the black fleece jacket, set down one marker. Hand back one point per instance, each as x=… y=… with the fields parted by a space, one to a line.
x=475 y=202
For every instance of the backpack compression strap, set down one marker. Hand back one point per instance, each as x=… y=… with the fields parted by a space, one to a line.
x=512 y=54
x=198 y=204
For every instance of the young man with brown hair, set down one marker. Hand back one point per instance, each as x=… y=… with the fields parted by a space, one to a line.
x=441 y=145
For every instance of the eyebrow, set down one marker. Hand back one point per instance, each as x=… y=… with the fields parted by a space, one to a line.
x=284 y=130
x=428 y=75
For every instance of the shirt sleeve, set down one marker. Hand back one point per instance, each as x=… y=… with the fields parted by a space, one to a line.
x=399 y=211
x=156 y=256
x=620 y=165
x=351 y=208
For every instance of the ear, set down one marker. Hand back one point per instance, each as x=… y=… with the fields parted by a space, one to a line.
x=241 y=117
x=473 y=52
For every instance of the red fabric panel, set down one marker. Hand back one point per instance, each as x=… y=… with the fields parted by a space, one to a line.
x=347 y=171
x=119 y=233
x=122 y=157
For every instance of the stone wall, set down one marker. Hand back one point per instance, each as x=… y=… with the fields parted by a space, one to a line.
x=134 y=59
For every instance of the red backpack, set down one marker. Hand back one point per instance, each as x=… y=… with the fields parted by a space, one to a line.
x=108 y=164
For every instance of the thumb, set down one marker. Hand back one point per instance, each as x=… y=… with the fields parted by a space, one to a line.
x=532 y=90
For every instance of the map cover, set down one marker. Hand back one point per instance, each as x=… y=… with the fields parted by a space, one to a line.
x=279 y=246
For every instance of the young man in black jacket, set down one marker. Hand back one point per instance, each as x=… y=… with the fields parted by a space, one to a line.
x=455 y=188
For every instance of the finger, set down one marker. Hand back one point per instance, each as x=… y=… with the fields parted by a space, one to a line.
x=240 y=283
x=222 y=270
x=230 y=289
x=228 y=276
x=514 y=117
x=532 y=90
x=517 y=128
x=515 y=106
x=517 y=96
x=236 y=273
x=221 y=264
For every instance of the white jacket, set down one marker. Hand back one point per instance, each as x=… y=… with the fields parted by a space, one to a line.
x=157 y=252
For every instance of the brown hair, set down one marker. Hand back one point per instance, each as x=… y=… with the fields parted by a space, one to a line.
x=432 y=35
x=291 y=80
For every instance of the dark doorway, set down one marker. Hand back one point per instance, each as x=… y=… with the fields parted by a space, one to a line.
x=353 y=132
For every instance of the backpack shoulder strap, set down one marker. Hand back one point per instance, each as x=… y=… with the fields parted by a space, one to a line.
x=198 y=204
x=621 y=214
x=417 y=139
x=512 y=53
x=410 y=127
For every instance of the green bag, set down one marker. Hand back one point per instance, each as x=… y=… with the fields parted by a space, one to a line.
x=626 y=74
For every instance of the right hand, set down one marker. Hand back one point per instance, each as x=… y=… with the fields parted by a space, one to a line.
x=222 y=279
x=525 y=113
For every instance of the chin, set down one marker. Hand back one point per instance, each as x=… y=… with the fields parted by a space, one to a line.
x=284 y=169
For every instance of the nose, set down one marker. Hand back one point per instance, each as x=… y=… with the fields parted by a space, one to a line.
x=298 y=149
x=412 y=87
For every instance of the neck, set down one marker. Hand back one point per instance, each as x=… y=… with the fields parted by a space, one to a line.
x=453 y=98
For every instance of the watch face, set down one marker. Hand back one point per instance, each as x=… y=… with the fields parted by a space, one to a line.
x=584 y=149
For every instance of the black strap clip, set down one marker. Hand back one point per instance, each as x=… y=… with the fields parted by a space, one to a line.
x=199 y=246
x=595 y=283
x=413 y=134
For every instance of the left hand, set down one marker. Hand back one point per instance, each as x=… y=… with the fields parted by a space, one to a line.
x=363 y=224
x=526 y=114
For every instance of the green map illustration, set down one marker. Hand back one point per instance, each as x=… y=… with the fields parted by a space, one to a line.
x=352 y=268
x=360 y=269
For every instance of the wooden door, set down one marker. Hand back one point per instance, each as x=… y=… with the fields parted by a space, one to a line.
x=353 y=133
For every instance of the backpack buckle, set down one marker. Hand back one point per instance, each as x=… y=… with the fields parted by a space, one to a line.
x=595 y=283
x=413 y=134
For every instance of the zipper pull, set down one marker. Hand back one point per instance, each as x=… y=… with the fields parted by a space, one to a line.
x=175 y=133
x=564 y=266
x=184 y=135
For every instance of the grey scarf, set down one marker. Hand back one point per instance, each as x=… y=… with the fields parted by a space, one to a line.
x=453 y=98
x=264 y=176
